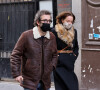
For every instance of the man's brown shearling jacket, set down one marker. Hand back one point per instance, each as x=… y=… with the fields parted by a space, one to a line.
x=38 y=57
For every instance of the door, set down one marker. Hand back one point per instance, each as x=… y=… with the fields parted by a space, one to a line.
x=15 y=17
x=90 y=44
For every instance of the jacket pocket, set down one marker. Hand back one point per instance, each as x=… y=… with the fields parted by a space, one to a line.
x=31 y=66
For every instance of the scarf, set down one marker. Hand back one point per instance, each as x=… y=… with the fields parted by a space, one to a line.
x=65 y=35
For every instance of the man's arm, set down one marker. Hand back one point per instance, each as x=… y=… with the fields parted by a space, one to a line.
x=55 y=54
x=15 y=58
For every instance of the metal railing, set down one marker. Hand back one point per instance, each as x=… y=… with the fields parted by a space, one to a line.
x=10 y=1
x=5 y=54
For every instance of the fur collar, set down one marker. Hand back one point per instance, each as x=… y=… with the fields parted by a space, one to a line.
x=37 y=35
x=65 y=35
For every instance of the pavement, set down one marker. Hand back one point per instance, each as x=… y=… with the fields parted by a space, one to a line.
x=6 y=85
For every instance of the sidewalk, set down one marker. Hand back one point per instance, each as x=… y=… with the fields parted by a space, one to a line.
x=13 y=86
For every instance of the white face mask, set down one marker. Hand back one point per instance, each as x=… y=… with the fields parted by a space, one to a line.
x=67 y=25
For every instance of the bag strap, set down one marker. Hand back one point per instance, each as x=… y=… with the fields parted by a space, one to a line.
x=63 y=49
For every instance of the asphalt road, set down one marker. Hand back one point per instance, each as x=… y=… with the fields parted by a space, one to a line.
x=13 y=86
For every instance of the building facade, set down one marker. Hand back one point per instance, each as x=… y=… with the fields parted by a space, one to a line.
x=17 y=16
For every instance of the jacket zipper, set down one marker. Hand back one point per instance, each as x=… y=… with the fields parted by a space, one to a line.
x=42 y=60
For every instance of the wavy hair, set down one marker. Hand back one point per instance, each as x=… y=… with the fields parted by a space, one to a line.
x=39 y=14
x=63 y=15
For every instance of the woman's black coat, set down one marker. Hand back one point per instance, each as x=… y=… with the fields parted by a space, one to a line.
x=64 y=76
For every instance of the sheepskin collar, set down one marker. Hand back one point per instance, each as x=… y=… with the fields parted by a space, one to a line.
x=37 y=35
x=65 y=35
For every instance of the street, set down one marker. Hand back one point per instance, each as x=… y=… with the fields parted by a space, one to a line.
x=13 y=86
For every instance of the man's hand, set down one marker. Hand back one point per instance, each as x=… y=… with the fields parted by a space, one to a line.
x=19 y=79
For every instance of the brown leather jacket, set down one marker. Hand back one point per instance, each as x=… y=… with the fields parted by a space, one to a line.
x=37 y=59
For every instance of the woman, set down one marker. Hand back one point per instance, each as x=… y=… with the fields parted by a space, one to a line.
x=67 y=45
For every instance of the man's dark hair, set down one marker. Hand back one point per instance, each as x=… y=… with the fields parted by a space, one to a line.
x=39 y=14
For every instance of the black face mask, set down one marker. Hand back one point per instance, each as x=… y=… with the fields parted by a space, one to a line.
x=45 y=27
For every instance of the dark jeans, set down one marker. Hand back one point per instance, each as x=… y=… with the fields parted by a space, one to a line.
x=40 y=87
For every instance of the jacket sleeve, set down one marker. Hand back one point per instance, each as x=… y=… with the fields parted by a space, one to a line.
x=55 y=54
x=15 y=58
x=76 y=46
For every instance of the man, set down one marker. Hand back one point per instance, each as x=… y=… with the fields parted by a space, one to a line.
x=36 y=53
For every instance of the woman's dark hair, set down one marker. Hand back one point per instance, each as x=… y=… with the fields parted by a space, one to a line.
x=63 y=15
